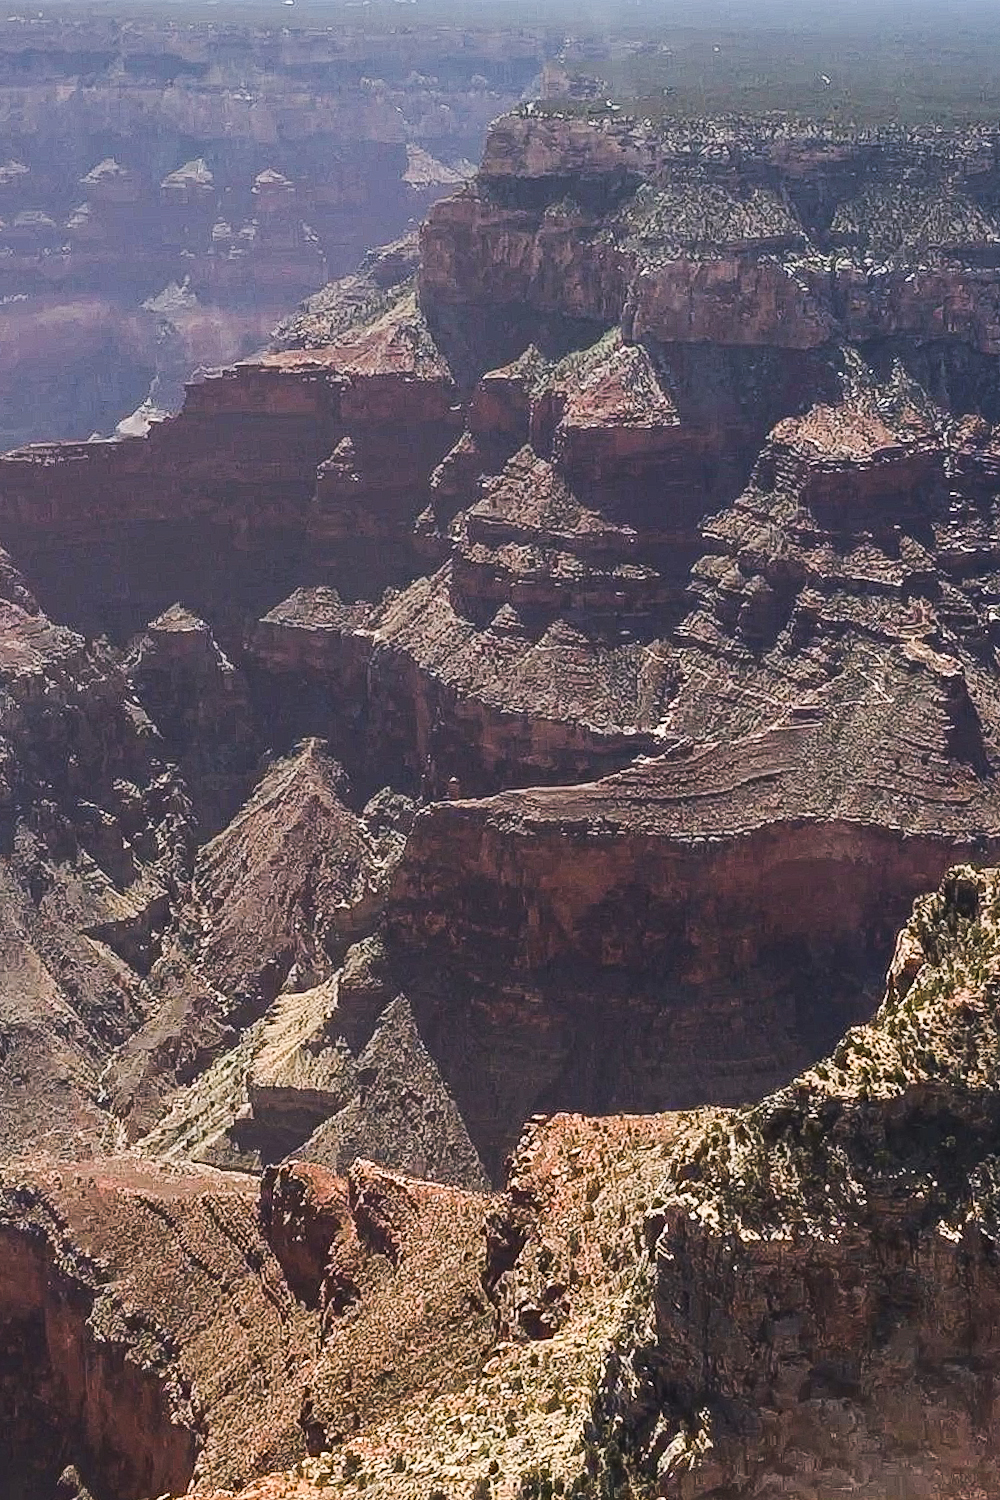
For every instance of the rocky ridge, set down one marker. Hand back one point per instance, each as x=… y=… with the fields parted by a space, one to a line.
x=540 y=685
x=794 y=1297
x=728 y=599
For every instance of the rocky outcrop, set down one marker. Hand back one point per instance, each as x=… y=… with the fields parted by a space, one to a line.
x=535 y=653
x=816 y=732
x=274 y=900
x=813 y=741
x=395 y=1264
x=822 y=1301
x=793 y=1297
x=600 y=942
x=201 y=704
x=390 y=372
x=119 y=1356
x=283 y=466
x=464 y=1336
x=727 y=233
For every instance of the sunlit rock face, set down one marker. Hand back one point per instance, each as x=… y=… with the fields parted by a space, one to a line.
x=637 y=678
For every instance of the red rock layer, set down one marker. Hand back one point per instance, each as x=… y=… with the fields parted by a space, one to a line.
x=134 y=1365
x=705 y=232
x=270 y=465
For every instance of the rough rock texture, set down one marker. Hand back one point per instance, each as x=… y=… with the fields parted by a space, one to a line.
x=637 y=563
x=201 y=704
x=798 y=1297
x=689 y=653
x=273 y=902
x=394 y=1265
x=825 y=1262
x=464 y=1337
x=285 y=466
x=97 y=845
x=287 y=881
x=712 y=612
x=146 y=1331
x=813 y=743
x=725 y=232
x=600 y=941
x=327 y=1075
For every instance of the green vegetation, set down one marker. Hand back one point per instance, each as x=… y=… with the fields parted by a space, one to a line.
x=917 y=63
x=906 y=1109
x=931 y=70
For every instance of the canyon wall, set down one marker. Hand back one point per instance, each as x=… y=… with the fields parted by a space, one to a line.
x=678 y=632
x=169 y=190
x=537 y=686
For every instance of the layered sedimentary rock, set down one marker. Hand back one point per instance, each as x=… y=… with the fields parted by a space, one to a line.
x=596 y=657
x=273 y=902
x=814 y=736
x=728 y=233
x=798 y=1297
x=146 y=1331
x=285 y=466
x=167 y=193
x=825 y=1264
x=327 y=1074
x=98 y=841
x=536 y=652
x=711 y=607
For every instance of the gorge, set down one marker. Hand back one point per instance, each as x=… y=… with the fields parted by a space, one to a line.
x=537 y=688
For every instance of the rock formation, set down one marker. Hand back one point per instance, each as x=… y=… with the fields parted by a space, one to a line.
x=792 y=1298
x=850 y=1237
x=169 y=190
x=200 y=703
x=539 y=686
x=147 y=1331
x=713 y=612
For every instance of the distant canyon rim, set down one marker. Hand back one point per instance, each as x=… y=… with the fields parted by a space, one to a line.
x=172 y=184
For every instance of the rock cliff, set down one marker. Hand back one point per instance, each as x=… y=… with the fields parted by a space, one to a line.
x=169 y=190
x=822 y=1305
x=709 y=608
x=540 y=685
x=146 y=1334
x=797 y=1297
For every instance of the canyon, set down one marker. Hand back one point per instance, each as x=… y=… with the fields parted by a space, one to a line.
x=458 y=773
x=170 y=185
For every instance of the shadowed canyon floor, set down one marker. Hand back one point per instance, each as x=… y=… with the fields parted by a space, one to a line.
x=537 y=688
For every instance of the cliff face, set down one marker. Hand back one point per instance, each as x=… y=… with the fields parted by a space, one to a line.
x=120 y=1357
x=823 y=1300
x=796 y=1297
x=765 y=236
x=542 y=683
x=280 y=467
x=595 y=948
x=168 y=192
x=706 y=603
